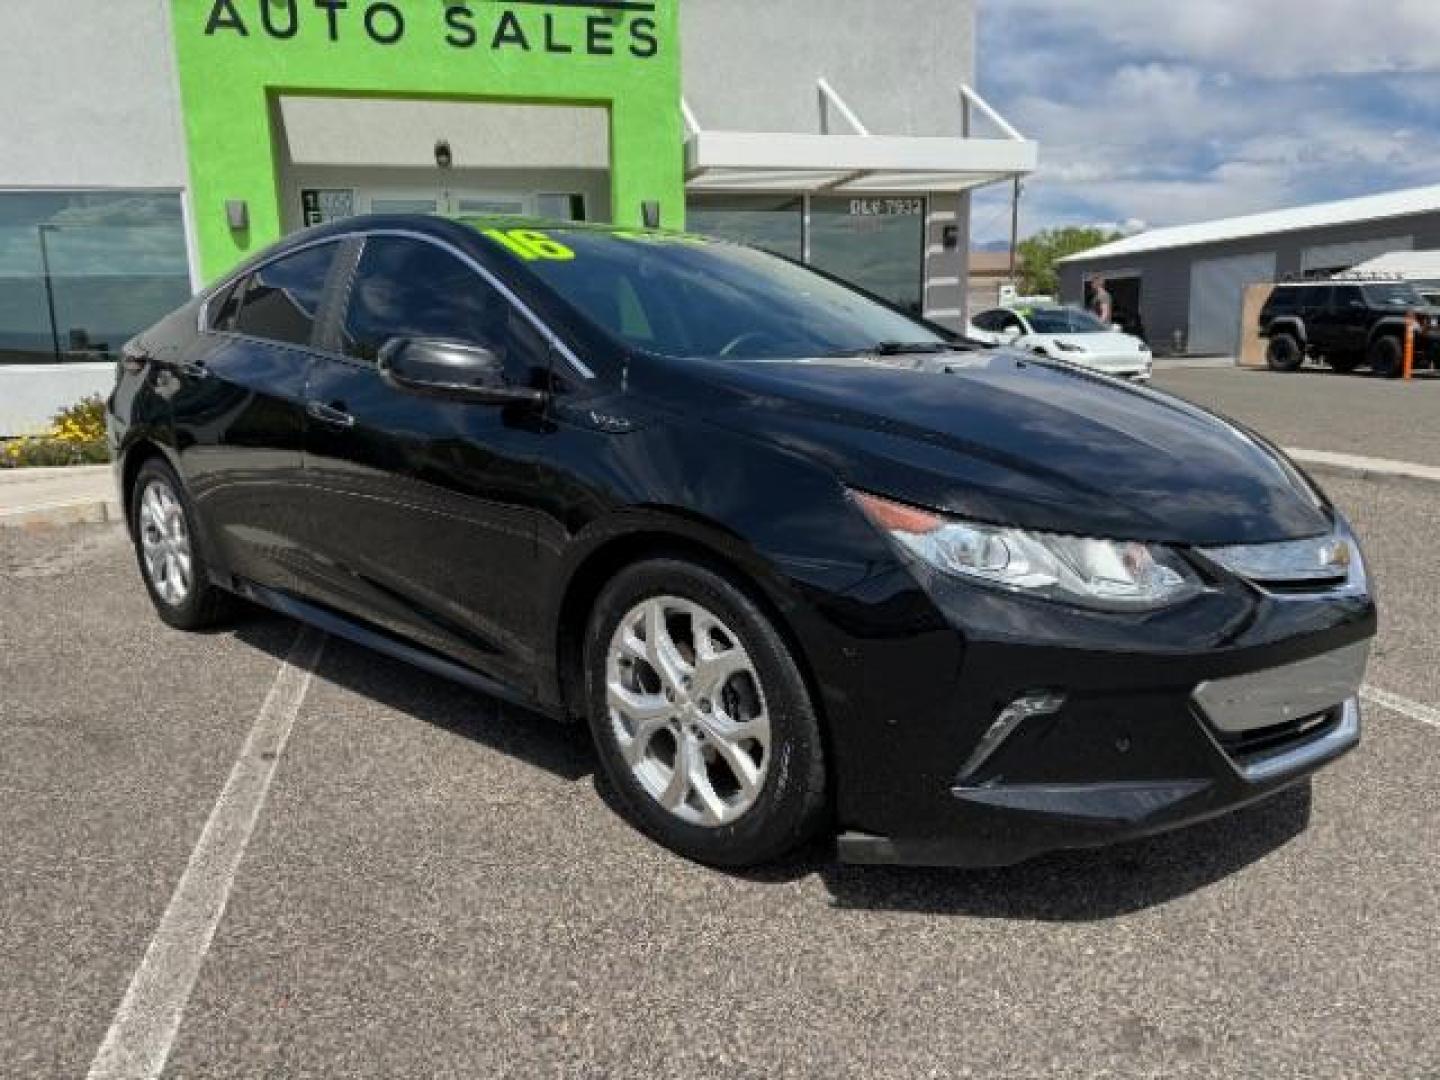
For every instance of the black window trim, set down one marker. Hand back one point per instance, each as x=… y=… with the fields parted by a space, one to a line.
x=554 y=339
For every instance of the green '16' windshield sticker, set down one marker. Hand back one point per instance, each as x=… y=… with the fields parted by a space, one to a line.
x=534 y=245
x=531 y=244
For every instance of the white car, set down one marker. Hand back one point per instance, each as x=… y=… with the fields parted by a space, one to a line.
x=1068 y=334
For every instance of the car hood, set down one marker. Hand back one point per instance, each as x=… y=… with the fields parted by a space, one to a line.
x=1006 y=437
x=1101 y=344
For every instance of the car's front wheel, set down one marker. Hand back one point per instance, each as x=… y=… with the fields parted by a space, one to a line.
x=170 y=560
x=1284 y=353
x=702 y=720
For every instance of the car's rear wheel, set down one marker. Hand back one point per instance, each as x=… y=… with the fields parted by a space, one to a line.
x=1387 y=357
x=1284 y=353
x=171 y=562
x=702 y=720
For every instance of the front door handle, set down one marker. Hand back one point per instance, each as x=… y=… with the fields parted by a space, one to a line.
x=330 y=414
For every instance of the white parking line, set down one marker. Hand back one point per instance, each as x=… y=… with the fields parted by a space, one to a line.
x=1404 y=706
x=143 y=1031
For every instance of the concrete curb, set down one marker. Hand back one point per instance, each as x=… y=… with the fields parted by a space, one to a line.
x=73 y=512
x=1355 y=467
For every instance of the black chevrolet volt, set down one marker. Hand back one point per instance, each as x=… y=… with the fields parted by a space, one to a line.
x=803 y=562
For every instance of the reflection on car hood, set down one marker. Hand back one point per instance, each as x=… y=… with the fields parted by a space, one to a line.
x=1002 y=436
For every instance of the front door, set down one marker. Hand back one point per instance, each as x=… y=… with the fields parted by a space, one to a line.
x=424 y=507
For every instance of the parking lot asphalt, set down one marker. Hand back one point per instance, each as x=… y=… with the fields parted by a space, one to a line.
x=1317 y=409
x=438 y=886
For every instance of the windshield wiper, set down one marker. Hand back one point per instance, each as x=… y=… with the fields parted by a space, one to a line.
x=897 y=348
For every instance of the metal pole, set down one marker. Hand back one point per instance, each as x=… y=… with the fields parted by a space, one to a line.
x=49 y=290
x=1015 y=232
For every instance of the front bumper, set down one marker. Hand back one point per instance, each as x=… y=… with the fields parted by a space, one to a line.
x=1030 y=819
x=1166 y=723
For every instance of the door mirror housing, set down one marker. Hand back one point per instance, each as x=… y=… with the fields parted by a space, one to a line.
x=454 y=369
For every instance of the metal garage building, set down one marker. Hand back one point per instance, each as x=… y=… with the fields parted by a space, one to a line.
x=1187 y=283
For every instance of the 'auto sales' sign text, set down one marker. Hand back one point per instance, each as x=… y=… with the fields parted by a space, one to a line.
x=613 y=27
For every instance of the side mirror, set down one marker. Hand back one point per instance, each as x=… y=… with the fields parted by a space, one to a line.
x=1010 y=335
x=451 y=369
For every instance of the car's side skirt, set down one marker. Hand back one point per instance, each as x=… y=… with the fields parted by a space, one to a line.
x=370 y=638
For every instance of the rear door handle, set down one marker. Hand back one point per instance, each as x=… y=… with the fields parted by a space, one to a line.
x=329 y=414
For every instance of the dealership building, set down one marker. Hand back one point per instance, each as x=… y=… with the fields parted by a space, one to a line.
x=150 y=145
x=1187 y=284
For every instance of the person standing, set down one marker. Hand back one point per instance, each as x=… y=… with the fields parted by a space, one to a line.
x=1101 y=304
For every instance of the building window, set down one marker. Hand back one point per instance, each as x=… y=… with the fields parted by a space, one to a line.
x=877 y=243
x=83 y=272
x=772 y=223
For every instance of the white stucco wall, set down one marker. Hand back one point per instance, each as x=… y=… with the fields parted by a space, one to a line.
x=751 y=65
x=90 y=95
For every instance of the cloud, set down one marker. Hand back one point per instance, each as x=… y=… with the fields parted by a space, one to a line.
x=1170 y=113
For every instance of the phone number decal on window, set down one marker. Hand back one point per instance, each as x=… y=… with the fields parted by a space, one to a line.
x=887 y=207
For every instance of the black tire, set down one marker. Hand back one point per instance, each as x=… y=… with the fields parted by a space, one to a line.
x=1344 y=363
x=1387 y=358
x=790 y=806
x=204 y=604
x=1284 y=353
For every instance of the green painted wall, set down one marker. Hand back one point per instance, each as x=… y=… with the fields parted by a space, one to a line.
x=472 y=50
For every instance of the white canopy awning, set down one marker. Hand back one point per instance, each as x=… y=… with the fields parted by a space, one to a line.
x=853 y=164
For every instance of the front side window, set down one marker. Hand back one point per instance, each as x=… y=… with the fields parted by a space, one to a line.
x=281 y=300
x=683 y=296
x=1394 y=294
x=410 y=289
x=83 y=272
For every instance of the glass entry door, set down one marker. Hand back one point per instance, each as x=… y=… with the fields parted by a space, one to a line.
x=562 y=206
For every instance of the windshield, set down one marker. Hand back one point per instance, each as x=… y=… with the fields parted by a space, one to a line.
x=684 y=296
x=1063 y=320
x=1394 y=294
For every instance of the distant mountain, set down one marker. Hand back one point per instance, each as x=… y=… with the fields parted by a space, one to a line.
x=991 y=245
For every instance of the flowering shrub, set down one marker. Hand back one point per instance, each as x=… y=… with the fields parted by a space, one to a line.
x=76 y=437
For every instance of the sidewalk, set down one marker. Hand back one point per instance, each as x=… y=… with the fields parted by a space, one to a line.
x=82 y=495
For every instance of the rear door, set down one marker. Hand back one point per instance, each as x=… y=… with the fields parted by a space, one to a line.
x=1319 y=317
x=424 y=508
x=239 y=414
x=1349 y=320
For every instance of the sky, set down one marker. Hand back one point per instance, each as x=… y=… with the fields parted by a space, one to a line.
x=1164 y=112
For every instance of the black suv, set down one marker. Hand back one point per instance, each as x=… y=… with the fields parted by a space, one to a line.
x=1348 y=324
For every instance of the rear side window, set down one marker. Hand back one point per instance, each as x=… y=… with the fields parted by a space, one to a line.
x=281 y=301
x=410 y=289
x=1284 y=300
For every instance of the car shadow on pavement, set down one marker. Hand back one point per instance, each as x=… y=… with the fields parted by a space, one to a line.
x=1073 y=886
x=562 y=749
x=1084 y=886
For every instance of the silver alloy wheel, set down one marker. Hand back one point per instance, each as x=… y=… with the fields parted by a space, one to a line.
x=688 y=711
x=165 y=543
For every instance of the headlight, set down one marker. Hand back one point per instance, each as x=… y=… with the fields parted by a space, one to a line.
x=1066 y=346
x=1114 y=575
